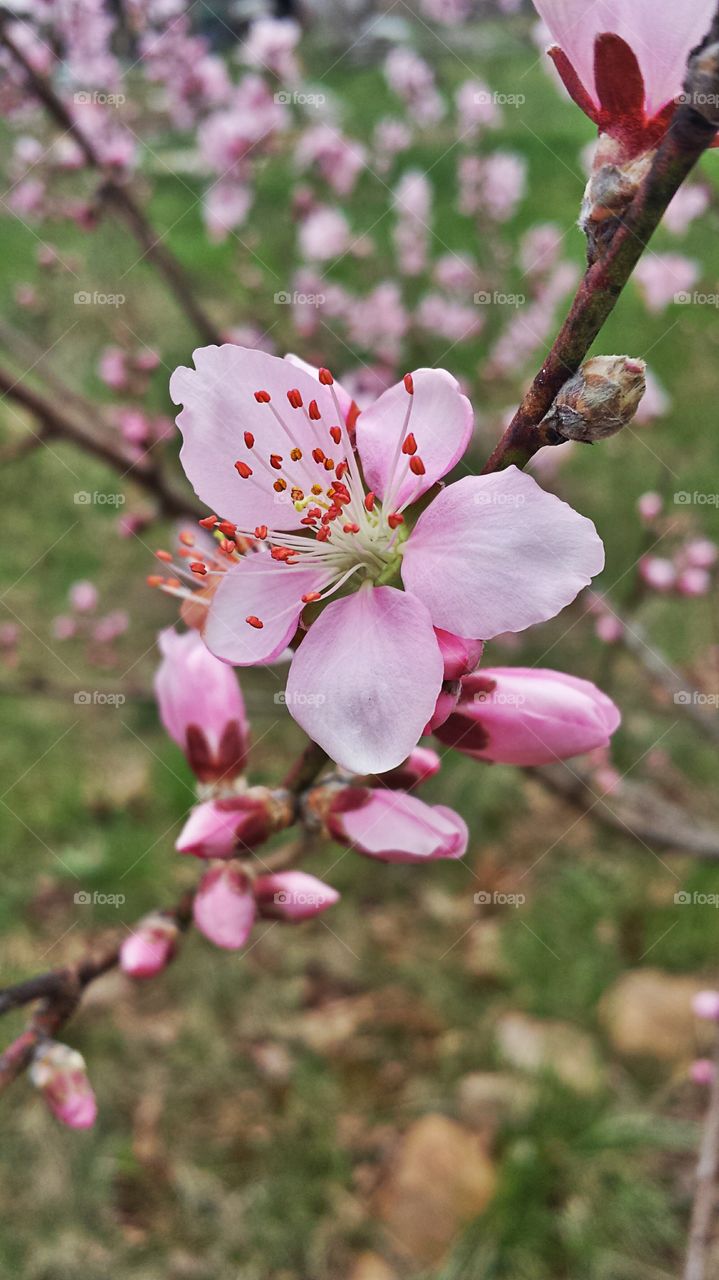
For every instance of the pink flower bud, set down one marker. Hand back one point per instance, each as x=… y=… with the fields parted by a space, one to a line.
x=658 y=573
x=201 y=706
x=702 y=1071
x=220 y=828
x=224 y=906
x=60 y=1075
x=150 y=946
x=701 y=553
x=293 y=895
x=608 y=629
x=694 y=582
x=650 y=506
x=706 y=1005
x=460 y=656
x=395 y=827
x=423 y=763
x=83 y=596
x=529 y=716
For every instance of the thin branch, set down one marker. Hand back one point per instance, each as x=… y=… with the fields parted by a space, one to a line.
x=116 y=192
x=700 y=1231
x=55 y=421
x=686 y=140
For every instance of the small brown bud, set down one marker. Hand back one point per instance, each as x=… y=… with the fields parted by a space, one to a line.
x=611 y=189
x=701 y=87
x=599 y=400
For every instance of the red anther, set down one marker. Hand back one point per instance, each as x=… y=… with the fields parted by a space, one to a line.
x=309 y=520
x=315 y=512
x=255 y=622
x=184 y=553
x=314 y=411
x=283 y=554
x=341 y=469
x=262 y=397
x=198 y=567
x=318 y=455
x=395 y=520
x=410 y=444
x=208 y=522
x=295 y=398
x=409 y=383
x=311 y=597
x=323 y=533
x=279 y=486
x=369 y=501
x=296 y=454
x=329 y=464
x=276 y=461
x=416 y=465
x=154 y=580
x=249 y=440
x=187 y=539
x=242 y=469
x=228 y=528
x=350 y=528
x=326 y=377
x=228 y=546
x=164 y=555
x=336 y=434
x=297 y=494
x=261 y=532
x=173 y=582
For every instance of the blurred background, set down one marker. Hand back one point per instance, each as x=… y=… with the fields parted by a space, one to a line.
x=475 y=1070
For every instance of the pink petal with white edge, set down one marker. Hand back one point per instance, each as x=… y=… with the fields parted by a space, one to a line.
x=496 y=553
x=220 y=406
x=224 y=907
x=396 y=827
x=660 y=36
x=267 y=590
x=441 y=422
x=365 y=680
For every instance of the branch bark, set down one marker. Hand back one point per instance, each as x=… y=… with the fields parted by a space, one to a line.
x=700 y=1230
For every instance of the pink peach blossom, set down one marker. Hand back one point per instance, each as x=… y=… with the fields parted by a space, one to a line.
x=624 y=61
x=220 y=828
x=365 y=679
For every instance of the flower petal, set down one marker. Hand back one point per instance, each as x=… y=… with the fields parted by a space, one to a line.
x=220 y=406
x=365 y=680
x=396 y=827
x=496 y=553
x=266 y=590
x=441 y=422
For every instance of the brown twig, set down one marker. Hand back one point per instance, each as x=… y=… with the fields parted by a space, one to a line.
x=57 y=422
x=116 y=192
x=700 y=1230
x=686 y=140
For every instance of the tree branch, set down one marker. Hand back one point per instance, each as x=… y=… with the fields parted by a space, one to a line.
x=700 y=1231
x=118 y=193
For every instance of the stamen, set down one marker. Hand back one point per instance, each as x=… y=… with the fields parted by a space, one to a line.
x=276 y=461
x=410 y=444
x=249 y=440
x=199 y=568
x=188 y=539
x=336 y=434
x=208 y=522
x=395 y=520
x=409 y=384
x=262 y=397
x=164 y=555
x=326 y=377
x=314 y=411
x=416 y=465
x=242 y=469
x=261 y=532
x=257 y=623
x=369 y=501
x=295 y=398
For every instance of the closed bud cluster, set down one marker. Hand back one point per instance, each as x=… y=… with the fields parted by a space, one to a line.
x=599 y=400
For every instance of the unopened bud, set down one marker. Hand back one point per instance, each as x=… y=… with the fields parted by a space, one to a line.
x=220 y=828
x=613 y=184
x=293 y=896
x=421 y=764
x=150 y=947
x=599 y=400
x=60 y=1075
x=224 y=906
